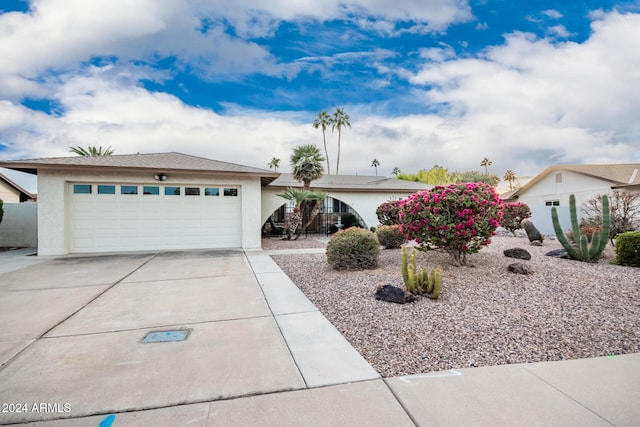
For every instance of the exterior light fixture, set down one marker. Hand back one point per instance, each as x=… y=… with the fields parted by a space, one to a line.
x=160 y=177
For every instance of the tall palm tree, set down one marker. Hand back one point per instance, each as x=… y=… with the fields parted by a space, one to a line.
x=306 y=161
x=486 y=163
x=339 y=120
x=323 y=121
x=396 y=171
x=374 y=164
x=274 y=164
x=510 y=176
x=91 y=151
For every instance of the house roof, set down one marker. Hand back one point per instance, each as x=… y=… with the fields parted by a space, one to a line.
x=24 y=194
x=353 y=183
x=619 y=175
x=161 y=162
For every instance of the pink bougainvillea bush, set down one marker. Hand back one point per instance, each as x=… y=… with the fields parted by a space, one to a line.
x=459 y=218
x=388 y=212
x=513 y=214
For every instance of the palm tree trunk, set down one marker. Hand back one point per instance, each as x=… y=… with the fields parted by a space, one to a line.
x=314 y=213
x=326 y=153
x=292 y=223
x=338 y=161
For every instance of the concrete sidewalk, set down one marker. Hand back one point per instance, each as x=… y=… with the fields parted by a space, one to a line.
x=257 y=353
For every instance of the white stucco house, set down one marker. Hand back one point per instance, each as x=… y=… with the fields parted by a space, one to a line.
x=157 y=201
x=362 y=194
x=10 y=192
x=553 y=186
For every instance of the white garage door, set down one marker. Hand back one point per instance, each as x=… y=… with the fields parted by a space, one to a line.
x=127 y=217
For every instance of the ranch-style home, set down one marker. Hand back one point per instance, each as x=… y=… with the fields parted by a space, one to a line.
x=553 y=186
x=138 y=202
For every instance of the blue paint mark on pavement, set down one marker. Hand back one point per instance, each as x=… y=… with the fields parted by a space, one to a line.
x=107 y=421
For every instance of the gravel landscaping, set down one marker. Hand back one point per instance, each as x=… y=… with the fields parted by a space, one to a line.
x=485 y=315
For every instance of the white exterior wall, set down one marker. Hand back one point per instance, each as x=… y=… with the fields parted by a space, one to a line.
x=54 y=198
x=582 y=186
x=363 y=203
x=19 y=227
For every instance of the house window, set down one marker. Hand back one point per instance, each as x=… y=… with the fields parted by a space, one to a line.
x=106 y=189
x=128 y=189
x=233 y=192
x=552 y=203
x=81 y=188
x=171 y=191
x=192 y=191
x=558 y=178
x=211 y=191
x=339 y=206
x=153 y=190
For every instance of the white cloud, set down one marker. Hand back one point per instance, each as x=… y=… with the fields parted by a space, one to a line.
x=531 y=97
x=552 y=13
x=559 y=31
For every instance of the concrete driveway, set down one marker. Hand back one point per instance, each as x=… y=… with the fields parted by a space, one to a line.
x=256 y=353
x=72 y=331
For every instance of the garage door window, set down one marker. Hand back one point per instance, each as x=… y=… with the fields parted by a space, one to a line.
x=128 y=189
x=151 y=190
x=192 y=191
x=233 y=192
x=106 y=189
x=82 y=188
x=211 y=191
x=171 y=191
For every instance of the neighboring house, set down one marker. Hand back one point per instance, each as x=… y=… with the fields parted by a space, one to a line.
x=555 y=184
x=357 y=193
x=175 y=201
x=145 y=202
x=10 y=192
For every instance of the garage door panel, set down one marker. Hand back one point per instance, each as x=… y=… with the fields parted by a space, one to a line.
x=112 y=222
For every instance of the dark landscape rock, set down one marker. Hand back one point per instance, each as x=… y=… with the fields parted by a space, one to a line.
x=558 y=253
x=532 y=232
x=390 y=293
x=518 y=253
x=520 y=268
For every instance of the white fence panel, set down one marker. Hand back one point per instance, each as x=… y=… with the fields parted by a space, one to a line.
x=19 y=226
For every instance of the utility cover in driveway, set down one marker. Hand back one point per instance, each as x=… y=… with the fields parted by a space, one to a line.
x=166 y=336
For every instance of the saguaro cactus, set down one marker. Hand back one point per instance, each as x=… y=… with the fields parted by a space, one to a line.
x=583 y=250
x=425 y=282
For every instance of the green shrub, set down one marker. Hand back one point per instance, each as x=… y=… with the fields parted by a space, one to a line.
x=348 y=220
x=353 y=249
x=628 y=249
x=390 y=236
x=372 y=229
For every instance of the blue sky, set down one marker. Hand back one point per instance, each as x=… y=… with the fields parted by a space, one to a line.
x=447 y=82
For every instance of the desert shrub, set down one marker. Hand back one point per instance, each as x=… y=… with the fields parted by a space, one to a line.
x=624 y=210
x=628 y=249
x=349 y=220
x=388 y=212
x=460 y=218
x=390 y=236
x=585 y=230
x=353 y=249
x=372 y=229
x=513 y=214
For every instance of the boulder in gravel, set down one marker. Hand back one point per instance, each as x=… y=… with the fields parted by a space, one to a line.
x=558 y=253
x=520 y=268
x=518 y=253
x=532 y=232
x=390 y=293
